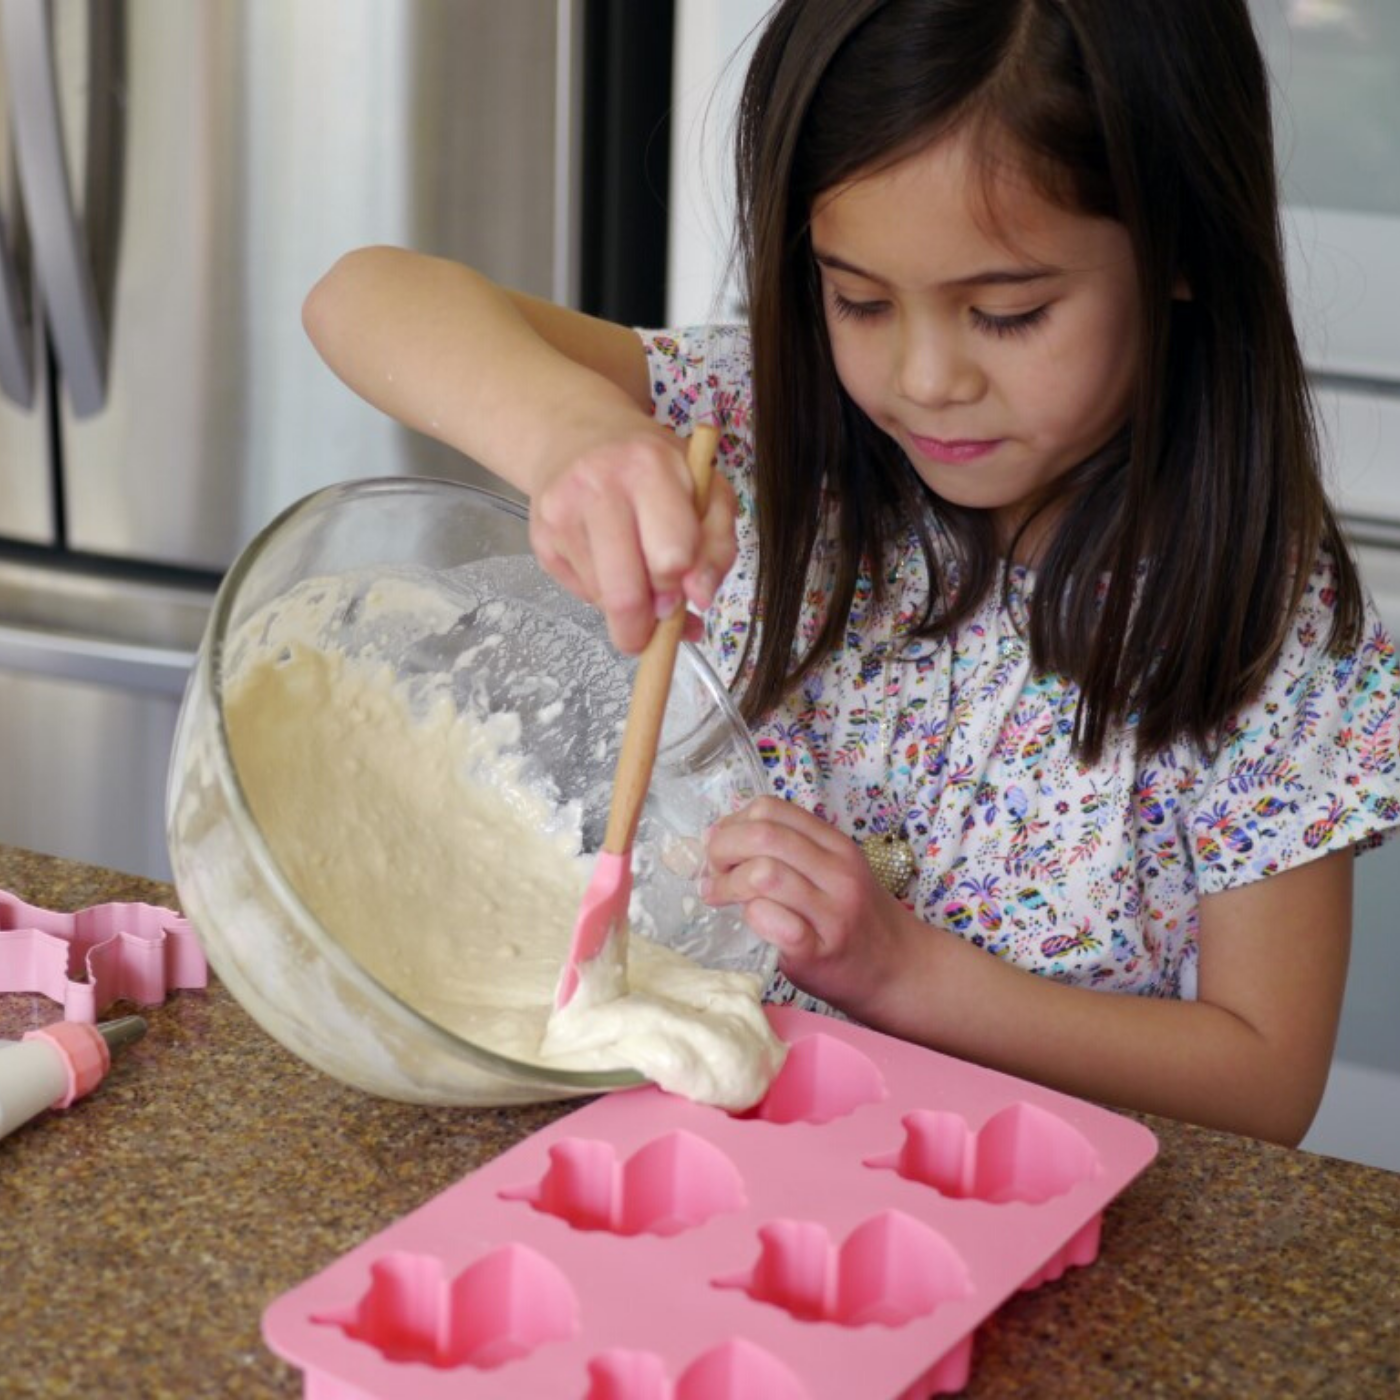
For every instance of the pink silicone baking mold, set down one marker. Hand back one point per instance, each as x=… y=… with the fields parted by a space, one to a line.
x=844 y=1238
x=87 y=960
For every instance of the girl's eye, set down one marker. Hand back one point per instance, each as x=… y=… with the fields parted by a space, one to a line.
x=847 y=310
x=1009 y=325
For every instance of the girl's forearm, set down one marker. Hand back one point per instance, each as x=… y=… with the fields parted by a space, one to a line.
x=1183 y=1059
x=447 y=352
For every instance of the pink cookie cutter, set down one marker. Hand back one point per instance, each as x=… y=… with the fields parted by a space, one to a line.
x=87 y=960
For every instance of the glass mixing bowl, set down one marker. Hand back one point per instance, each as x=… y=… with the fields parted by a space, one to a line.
x=538 y=653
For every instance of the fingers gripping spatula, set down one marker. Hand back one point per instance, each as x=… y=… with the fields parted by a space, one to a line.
x=603 y=913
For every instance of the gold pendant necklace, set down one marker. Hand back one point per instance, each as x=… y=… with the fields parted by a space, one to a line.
x=891 y=860
x=889 y=853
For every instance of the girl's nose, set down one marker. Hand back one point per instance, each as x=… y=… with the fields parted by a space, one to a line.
x=935 y=368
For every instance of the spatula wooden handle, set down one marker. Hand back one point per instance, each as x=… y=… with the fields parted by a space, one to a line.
x=652 y=685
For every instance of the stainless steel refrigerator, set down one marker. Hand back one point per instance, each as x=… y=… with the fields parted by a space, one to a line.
x=174 y=175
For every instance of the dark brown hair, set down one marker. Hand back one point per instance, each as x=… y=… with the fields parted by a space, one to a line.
x=1207 y=512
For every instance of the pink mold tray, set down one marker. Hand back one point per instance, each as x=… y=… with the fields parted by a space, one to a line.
x=108 y=952
x=844 y=1238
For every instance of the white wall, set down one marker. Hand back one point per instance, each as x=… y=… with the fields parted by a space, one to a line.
x=713 y=42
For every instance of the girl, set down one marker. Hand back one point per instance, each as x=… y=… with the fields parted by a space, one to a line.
x=1019 y=556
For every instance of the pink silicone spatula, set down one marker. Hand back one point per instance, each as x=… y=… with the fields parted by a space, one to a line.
x=603 y=913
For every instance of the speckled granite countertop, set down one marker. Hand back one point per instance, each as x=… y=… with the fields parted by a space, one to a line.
x=143 y=1232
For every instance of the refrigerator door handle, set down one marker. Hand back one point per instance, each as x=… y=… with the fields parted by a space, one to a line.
x=95 y=660
x=60 y=252
x=16 y=338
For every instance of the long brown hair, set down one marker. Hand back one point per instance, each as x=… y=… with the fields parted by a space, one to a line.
x=1207 y=513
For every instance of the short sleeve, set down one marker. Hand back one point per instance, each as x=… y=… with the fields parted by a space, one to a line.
x=705 y=371
x=700 y=370
x=1310 y=767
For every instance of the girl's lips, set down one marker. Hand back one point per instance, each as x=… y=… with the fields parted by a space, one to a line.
x=959 y=450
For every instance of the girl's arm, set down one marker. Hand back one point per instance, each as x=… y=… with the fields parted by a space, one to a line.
x=1250 y=1055
x=556 y=403
x=458 y=358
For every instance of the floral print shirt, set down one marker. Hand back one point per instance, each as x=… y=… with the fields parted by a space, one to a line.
x=1089 y=874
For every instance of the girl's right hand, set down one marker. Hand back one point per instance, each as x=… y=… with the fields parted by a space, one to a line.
x=617 y=526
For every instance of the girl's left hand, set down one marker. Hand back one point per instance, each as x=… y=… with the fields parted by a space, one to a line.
x=807 y=889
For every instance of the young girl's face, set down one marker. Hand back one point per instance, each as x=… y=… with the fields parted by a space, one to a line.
x=998 y=353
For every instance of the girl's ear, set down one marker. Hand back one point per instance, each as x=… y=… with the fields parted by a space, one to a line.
x=1181 y=288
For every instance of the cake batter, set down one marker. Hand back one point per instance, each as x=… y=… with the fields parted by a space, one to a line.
x=410 y=831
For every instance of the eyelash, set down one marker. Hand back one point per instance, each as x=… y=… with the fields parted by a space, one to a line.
x=994 y=325
x=1009 y=325
x=847 y=310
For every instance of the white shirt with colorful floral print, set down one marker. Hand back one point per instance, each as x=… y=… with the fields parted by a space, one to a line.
x=1089 y=874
